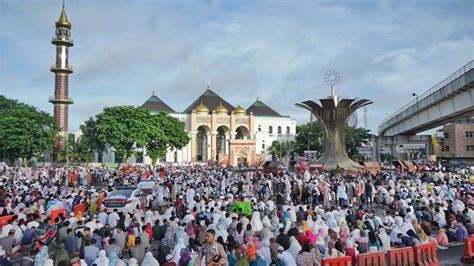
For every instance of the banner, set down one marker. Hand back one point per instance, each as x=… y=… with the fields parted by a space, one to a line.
x=246 y=207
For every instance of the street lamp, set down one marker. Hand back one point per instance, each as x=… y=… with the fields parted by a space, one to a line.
x=415 y=95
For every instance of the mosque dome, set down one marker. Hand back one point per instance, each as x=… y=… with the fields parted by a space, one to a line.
x=239 y=110
x=220 y=109
x=201 y=109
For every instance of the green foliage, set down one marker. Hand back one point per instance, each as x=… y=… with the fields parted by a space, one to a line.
x=310 y=133
x=121 y=127
x=354 y=138
x=77 y=151
x=314 y=134
x=280 y=150
x=166 y=132
x=25 y=131
x=126 y=128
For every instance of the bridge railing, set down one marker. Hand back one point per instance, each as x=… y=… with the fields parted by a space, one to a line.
x=432 y=90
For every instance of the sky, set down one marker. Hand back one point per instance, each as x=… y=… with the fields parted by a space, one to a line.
x=278 y=51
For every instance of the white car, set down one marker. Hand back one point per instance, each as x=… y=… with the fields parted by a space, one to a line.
x=124 y=200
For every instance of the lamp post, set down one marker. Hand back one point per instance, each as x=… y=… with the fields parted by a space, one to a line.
x=415 y=95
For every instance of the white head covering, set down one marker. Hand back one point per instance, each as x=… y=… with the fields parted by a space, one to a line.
x=132 y=262
x=177 y=250
x=149 y=260
x=102 y=259
x=295 y=247
x=256 y=223
x=48 y=262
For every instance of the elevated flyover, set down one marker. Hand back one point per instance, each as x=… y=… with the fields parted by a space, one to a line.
x=447 y=101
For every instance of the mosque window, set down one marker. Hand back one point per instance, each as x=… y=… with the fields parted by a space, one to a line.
x=279 y=129
x=259 y=128
x=270 y=130
x=288 y=130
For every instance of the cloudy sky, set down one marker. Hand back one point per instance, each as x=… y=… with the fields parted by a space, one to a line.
x=277 y=50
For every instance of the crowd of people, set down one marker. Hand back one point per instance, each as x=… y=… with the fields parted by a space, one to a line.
x=206 y=215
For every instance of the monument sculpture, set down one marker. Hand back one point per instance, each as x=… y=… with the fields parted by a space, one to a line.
x=333 y=113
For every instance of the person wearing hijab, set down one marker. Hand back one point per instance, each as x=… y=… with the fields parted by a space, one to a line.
x=286 y=257
x=48 y=262
x=102 y=259
x=149 y=260
x=295 y=247
x=311 y=237
x=185 y=257
x=384 y=239
x=138 y=251
x=61 y=255
x=256 y=223
x=132 y=262
x=251 y=252
x=306 y=257
x=259 y=260
x=349 y=250
x=266 y=252
x=421 y=234
x=396 y=230
x=177 y=250
x=42 y=256
x=114 y=260
x=442 y=238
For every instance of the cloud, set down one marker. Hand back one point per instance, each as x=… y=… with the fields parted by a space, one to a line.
x=279 y=51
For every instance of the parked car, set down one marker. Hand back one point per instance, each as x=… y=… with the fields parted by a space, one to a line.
x=148 y=187
x=124 y=200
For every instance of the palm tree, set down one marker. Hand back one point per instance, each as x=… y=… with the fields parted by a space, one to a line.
x=281 y=150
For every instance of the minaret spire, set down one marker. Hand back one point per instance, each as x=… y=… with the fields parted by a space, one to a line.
x=61 y=69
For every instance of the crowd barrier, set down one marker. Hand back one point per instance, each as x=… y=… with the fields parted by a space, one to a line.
x=426 y=255
x=371 y=259
x=401 y=257
x=421 y=255
x=339 y=261
x=468 y=256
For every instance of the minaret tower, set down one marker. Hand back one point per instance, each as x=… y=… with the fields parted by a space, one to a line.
x=61 y=69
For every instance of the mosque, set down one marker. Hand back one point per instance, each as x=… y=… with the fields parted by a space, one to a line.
x=225 y=133
x=218 y=130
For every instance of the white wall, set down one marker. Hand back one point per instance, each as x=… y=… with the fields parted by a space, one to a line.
x=263 y=138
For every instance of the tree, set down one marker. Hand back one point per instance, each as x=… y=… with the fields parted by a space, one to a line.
x=310 y=133
x=314 y=135
x=123 y=128
x=25 y=131
x=89 y=140
x=280 y=150
x=76 y=151
x=166 y=132
x=354 y=138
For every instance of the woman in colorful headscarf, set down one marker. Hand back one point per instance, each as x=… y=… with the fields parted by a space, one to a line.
x=342 y=236
x=251 y=252
x=311 y=237
x=185 y=257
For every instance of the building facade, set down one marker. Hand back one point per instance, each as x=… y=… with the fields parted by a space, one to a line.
x=458 y=143
x=224 y=133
